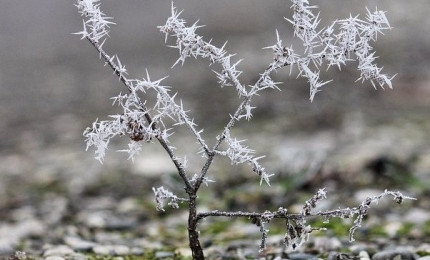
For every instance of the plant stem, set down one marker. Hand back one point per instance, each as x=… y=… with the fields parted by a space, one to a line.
x=193 y=234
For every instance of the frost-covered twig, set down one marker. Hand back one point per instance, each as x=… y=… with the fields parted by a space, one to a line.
x=190 y=44
x=162 y=194
x=297 y=231
x=135 y=119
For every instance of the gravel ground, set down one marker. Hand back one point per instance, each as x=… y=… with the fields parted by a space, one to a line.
x=62 y=205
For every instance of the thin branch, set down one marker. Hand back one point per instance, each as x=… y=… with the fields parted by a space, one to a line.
x=179 y=166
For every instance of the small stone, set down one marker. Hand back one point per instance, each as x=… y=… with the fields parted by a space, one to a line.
x=77 y=256
x=417 y=216
x=363 y=255
x=61 y=250
x=54 y=209
x=112 y=250
x=337 y=256
x=137 y=251
x=185 y=252
x=424 y=249
x=103 y=250
x=392 y=228
x=250 y=253
x=95 y=220
x=148 y=244
x=6 y=246
x=79 y=244
x=332 y=256
x=128 y=205
x=325 y=244
x=54 y=258
x=120 y=223
x=394 y=255
x=301 y=256
x=163 y=254
x=356 y=249
x=121 y=250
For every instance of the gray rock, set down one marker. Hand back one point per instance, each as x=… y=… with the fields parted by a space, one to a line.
x=363 y=255
x=325 y=244
x=116 y=250
x=424 y=258
x=337 y=256
x=107 y=220
x=77 y=256
x=61 y=250
x=79 y=244
x=53 y=209
x=103 y=250
x=6 y=246
x=54 y=258
x=301 y=256
x=417 y=216
x=121 y=250
x=137 y=251
x=397 y=254
x=163 y=254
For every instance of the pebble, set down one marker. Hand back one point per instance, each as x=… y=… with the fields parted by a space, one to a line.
x=397 y=254
x=137 y=251
x=417 y=216
x=301 y=256
x=6 y=246
x=325 y=244
x=335 y=256
x=183 y=251
x=53 y=209
x=79 y=244
x=107 y=220
x=121 y=250
x=103 y=250
x=77 y=256
x=393 y=227
x=117 y=250
x=363 y=255
x=61 y=250
x=54 y=258
x=424 y=248
x=163 y=254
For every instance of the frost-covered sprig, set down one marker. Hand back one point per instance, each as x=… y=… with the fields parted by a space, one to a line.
x=191 y=44
x=238 y=154
x=297 y=231
x=131 y=122
x=167 y=107
x=312 y=203
x=96 y=25
x=343 y=40
x=101 y=132
x=305 y=24
x=162 y=194
x=206 y=180
x=362 y=210
x=135 y=113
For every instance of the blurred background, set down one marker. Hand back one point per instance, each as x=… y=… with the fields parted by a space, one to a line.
x=352 y=139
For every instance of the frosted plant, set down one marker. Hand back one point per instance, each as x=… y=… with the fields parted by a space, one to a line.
x=342 y=41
